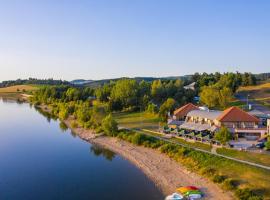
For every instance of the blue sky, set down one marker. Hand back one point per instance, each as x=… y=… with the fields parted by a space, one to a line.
x=97 y=39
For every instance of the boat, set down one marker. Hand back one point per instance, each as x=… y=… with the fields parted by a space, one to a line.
x=174 y=196
x=194 y=196
x=183 y=190
x=193 y=192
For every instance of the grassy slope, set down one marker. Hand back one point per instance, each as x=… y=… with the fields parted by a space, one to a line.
x=14 y=89
x=259 y=93
x=137 y=120
x=263 y=159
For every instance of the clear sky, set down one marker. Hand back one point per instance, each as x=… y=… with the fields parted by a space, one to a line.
x=72 y=39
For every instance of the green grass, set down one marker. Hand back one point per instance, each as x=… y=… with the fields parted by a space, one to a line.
x=137 y=120
x=194 y=144
x=258 y=158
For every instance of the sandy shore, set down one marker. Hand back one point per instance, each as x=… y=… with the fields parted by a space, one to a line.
x=166 y=173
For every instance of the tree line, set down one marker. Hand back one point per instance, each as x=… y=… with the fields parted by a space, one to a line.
x=33 y=81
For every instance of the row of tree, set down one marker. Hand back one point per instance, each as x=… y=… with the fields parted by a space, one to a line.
x=33 y=81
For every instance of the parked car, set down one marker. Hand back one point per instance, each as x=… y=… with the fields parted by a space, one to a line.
x=260 y=145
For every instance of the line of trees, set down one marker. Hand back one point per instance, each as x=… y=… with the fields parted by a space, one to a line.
x=33 y=81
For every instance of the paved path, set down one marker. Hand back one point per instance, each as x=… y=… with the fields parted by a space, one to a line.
x=212 y=152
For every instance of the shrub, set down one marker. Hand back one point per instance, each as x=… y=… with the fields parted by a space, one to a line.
x=267 y=145
x=74 y=124
x=246 y=194
x=109 y=125
x=209 y=171
x=218 y=178
x=230 y=184
x=138 y=139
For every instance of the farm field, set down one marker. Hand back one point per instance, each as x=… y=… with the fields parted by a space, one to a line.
x=18 y=89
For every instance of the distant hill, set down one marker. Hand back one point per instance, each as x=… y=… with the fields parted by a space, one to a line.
x=80 y=82
x=96 y=83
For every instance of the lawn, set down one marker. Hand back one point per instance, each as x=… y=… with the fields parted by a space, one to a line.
x=137 y=120
x=18 y=89
x=263 y=159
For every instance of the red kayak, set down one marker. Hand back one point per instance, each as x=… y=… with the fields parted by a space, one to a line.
x=192 y=187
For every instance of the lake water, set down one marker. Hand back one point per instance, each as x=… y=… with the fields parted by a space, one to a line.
x=41 y=159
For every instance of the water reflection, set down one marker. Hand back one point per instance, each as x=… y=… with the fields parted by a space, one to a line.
x=99 y=151
x=63 y=126
x=47 y=115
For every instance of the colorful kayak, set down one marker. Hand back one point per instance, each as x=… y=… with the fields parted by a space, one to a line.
x=183 y=190
x=193 y=192
x=194 y=196
x=174 y=196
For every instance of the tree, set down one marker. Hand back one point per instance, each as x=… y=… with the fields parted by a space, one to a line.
x=224 y=97
x=168 y=106
x=223 y=135
x=109 y=125
x=209 y=96
x=267 y=144
x=125 y=92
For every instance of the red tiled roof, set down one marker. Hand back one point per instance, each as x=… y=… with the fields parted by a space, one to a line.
x=235 y=114
x=185 y=109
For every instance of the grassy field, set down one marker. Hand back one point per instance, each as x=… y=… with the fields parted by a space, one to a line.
x=263 y=159
x=259 y=93
x=18 y=89
x=137 y=120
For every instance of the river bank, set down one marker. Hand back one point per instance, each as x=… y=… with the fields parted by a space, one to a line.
x=166 y=173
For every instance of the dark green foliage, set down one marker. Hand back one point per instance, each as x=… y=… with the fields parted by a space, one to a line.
x=223 y=135
x=230 y=184
x=34 y=81
x=218 y=178
x=246 y=194
x=109 y=125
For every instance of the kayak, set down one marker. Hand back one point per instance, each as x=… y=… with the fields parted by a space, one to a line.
x=194 y=196
x=183 y=190
x=193 y=192
x=174 y=196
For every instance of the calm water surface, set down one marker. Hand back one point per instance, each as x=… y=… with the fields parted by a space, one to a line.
x=41 y=159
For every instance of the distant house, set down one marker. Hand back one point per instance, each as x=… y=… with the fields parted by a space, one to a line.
x=236 y=120
x=190 y=86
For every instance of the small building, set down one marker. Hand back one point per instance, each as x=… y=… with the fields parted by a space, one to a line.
x=181 y=113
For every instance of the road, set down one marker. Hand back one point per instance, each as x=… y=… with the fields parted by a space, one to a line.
x=255 y=105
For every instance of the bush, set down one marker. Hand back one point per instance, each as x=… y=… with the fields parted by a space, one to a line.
x=109 y=125
x=230 y=184
x=218 y=178
x=138 y=139
x=267 y=145
x=209 y=171
x=246 y=194
x=74 y=124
